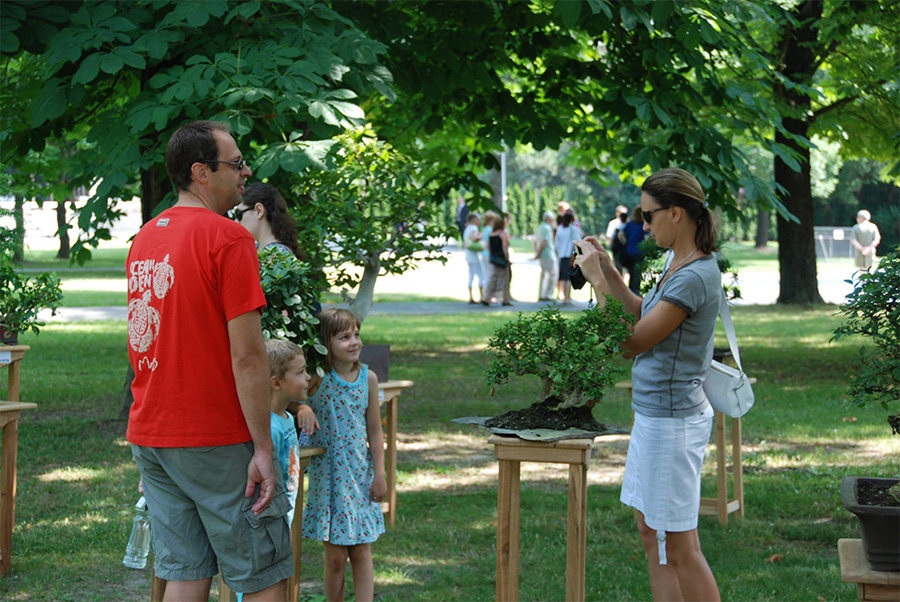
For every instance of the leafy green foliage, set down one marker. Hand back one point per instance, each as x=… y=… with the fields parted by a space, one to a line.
x=290 y=291
x=873 y=310
x=365 y=207
x=284 y=74
x=574 y=358
x=22 y=297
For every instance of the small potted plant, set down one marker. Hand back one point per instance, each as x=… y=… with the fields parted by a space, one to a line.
x=21 y=296
x=574 y=359
x=873 y=310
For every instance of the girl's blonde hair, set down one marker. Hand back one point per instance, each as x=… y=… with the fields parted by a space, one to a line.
x=332 y=322
x=281 y=353
x=489 y=217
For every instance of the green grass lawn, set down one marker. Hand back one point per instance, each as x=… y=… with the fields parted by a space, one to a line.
x=76 y=485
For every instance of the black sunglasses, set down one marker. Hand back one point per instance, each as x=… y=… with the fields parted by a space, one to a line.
x=238 y=165
x=648 y=215
x=237 y=214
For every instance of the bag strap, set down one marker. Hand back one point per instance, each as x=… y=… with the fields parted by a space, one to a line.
x=729 y=330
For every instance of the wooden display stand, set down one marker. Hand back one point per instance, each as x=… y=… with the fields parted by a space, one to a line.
x=511 y=452
x=721 y=505
x=871 y=586
x=389 y=397
x=10 y=356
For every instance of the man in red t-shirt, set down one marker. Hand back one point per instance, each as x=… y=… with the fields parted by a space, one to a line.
x=200 y=418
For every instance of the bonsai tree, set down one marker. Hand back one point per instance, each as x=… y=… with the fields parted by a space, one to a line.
x=873 y=310
x=22 y=297
x=574 y=359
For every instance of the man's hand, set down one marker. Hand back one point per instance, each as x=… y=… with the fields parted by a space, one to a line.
x=261 y=471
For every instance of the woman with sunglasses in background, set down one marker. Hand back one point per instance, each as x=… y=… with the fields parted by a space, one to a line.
x=672 y=346
x=265 y=214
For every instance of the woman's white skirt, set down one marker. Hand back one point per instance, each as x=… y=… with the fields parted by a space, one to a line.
x=662 y=469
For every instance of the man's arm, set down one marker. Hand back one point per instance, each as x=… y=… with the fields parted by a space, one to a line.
x=251 y=376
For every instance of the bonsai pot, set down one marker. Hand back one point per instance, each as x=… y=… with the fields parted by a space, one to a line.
x=8 y=337
x=880 y=525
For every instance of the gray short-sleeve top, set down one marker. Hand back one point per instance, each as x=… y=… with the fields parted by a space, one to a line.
x=667 y=379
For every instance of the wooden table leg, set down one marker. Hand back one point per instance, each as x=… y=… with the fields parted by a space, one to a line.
x=390 y=459
x=12 y=393
x=577 y=533
x=293 y=585
x=508 y=531
x=721 y=471
x=737 y=468
x=8 y=488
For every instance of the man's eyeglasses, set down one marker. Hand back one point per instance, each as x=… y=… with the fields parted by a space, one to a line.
x=237 y=214
x=238 y=165
x=648 y=215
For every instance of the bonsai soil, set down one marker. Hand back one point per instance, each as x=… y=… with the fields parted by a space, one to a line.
x=874 y=494
x=542 y=415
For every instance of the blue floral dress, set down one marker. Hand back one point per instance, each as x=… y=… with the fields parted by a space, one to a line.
x=339 y=507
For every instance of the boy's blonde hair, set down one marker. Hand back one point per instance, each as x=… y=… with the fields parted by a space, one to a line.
x=281 y=353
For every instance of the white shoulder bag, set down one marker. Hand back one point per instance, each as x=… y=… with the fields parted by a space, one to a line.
x=727 y=388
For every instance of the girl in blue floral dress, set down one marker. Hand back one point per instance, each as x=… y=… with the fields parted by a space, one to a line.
x=347 y=483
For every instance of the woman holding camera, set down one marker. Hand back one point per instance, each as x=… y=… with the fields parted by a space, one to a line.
x=672 y=346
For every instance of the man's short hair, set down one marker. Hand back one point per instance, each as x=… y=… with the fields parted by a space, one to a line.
x=548 y=215
x=472 y=218
x=864 y=214
x=192 y=143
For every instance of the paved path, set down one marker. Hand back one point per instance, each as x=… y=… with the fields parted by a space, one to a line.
x=449 y=280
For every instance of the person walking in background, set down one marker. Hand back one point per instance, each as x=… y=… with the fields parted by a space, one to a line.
x=347 y=483
x=865 y=240
x=672 y=347
x=462 y=213
x=545 y=253
x=487 y=229
x=498 y=268
x=473 y=246
x=507 y=293
x=616 y=247
x=199 y=424
x=566 y=235
x=631 y=235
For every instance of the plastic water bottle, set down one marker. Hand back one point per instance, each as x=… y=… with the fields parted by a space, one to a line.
x=139 y=543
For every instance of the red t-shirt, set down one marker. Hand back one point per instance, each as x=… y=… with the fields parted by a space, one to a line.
x=189 y=272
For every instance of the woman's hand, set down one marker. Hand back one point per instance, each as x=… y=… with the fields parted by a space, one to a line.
x=590 y=257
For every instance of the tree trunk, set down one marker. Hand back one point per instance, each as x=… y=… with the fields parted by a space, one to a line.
x=154 y=186
x=62 y=230
x=19 y=239
x=796 y=241
x=763 y=219
x=365 y=294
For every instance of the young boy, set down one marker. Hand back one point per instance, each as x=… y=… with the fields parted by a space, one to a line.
x=288 y=385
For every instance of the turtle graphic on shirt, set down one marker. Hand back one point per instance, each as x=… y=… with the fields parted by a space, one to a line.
x=143 y=323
